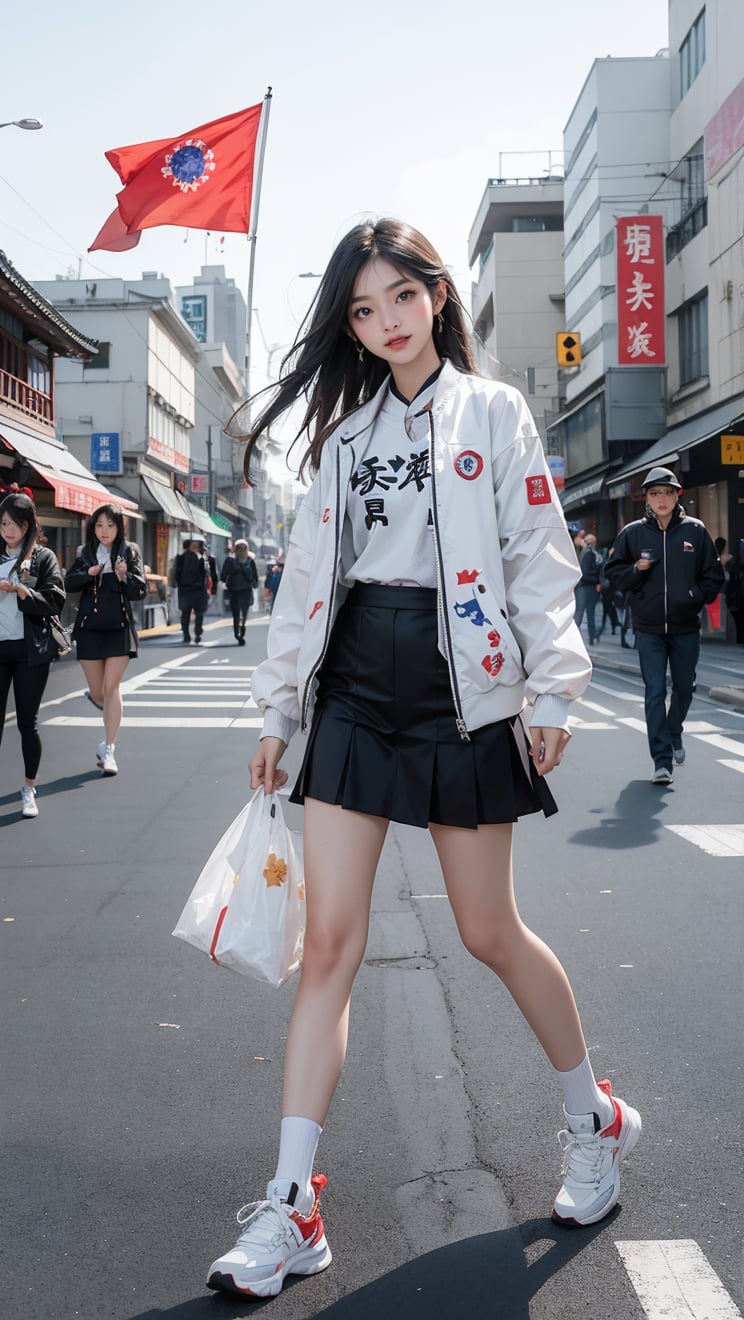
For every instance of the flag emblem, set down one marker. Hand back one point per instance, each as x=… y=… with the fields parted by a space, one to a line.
x=189 y=164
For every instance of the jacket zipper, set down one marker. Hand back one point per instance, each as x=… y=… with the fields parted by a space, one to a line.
x=329 y=617
x=462 y=728
x=666 y=603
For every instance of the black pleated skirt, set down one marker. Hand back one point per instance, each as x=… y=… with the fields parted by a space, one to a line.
x=384 y=740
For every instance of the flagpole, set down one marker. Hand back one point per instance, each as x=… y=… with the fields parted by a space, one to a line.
x=255 y=203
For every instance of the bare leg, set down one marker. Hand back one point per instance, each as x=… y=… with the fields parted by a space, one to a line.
x=342 y=849
x=113 y=707
x=93 y=670
x=478 y=876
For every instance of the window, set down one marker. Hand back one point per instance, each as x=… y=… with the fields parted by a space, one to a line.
x=693 y=203
x=536 y=224
x=692 y=324
x=692 y=53
x=102 y=358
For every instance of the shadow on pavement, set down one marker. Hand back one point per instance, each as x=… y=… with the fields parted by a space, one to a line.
x=488 y=1275
x=634 y=824
x=46 y=790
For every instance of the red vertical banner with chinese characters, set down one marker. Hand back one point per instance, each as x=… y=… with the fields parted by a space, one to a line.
x=640 y=291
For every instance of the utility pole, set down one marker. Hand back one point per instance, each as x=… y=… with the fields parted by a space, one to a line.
x=210 y=471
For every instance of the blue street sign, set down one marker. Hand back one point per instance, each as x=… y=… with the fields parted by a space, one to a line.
x=105 y=452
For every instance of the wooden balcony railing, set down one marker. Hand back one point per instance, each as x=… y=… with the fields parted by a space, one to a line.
x=19 y=394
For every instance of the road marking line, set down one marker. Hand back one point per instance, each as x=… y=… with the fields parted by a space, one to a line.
x=638 y=725
x=188 y=705
x=575 y=723
x=674 y=1281
x=592 y=705
x=716 y=840
x=733 y=765
x=613 y=692
x=723 y=744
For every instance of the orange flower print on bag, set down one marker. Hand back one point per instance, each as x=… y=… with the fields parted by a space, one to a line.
x=275 y=871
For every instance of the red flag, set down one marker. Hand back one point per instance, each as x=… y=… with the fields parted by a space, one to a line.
x=114 y=236
x=200 y=180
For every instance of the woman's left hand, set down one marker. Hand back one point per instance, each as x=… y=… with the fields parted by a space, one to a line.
x=6 y=586
x=20 y=591
x=120 y=569
x=547 y=748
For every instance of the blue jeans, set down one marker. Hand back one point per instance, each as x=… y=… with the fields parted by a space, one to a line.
x=587 y=600
x=680 y=653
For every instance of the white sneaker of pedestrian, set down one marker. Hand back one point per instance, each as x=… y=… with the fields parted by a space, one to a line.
x=28 y=802
x=100 y=752
x=679 y=755
x=108 y=764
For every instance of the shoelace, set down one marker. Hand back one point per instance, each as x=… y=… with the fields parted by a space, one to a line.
x=263 y=1224
x=583 y=1154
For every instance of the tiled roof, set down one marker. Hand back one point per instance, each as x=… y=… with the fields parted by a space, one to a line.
x=30 y=306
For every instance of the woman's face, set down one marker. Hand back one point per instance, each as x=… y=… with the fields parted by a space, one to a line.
x=392 y=315
x=11 y=531
x=105 y=529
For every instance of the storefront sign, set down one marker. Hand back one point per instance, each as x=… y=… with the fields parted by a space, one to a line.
x=167 y=454
x=105 y=452
x=724 y=133
x=640 y=291
x=557 y=465
x=199 y=484
x=732 y=449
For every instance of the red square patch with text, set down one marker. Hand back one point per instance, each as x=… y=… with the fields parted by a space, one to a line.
x=538 y=490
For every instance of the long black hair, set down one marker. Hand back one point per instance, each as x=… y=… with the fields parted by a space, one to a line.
x=22 y=510
x=323 y=366
x=91 y=540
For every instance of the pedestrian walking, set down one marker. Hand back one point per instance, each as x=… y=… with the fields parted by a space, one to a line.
x=589 y=589
x=608 y=596
x=667 y=563
x=193 y=578
x=31 y=591
x=109 y=575
x=735 y=592
x=427 y=593
x=271 y=582
x=240 y=576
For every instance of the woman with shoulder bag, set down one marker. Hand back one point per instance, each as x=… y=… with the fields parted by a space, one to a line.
x=108 y=573
x=31 y=591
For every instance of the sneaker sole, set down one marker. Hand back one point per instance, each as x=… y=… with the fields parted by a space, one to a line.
x=632 y=1128
x=306 y=1265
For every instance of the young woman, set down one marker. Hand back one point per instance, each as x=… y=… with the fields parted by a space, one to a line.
x=108 y=573
x=427 y=594
x=240 y=576
x=31 y=589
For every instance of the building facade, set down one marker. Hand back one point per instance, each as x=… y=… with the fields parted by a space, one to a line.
x=616 y=154
x=37 y=345
x=517 y=295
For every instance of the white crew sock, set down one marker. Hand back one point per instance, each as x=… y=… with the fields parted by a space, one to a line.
x=297 y=1146
x=581 y=1095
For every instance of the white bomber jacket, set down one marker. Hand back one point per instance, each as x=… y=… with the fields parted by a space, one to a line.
x=506 y=566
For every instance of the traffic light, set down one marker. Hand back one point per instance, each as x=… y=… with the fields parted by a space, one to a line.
x=568 y=349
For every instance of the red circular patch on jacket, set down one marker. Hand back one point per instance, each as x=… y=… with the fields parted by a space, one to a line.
x=468 y=464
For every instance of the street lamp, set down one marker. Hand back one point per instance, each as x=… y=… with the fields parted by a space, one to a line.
x=29 y=124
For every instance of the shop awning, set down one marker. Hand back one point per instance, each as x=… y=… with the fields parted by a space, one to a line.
x=580 y=494
x=693 y=432
x=166 y=499
x=204 y=522
x=75 y=488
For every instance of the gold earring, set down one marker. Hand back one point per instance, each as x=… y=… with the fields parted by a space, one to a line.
x=440 y=323
x=360 y=349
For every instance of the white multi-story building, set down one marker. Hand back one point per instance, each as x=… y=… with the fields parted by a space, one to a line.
x=517 y=295
x=133 y=415
x=704 y=197
x=616 y=154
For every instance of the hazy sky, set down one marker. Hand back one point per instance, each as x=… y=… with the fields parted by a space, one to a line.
x=393 y=108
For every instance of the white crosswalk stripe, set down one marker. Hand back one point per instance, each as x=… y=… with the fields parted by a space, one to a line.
x=674 y=1280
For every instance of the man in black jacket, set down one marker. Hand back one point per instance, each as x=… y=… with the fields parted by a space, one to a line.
x=667 y=563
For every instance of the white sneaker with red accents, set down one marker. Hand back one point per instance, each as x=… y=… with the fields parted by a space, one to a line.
x=591 y=1162
x=276 y=1240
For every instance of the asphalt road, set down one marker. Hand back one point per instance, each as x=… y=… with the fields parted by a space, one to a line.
x=140 y=1085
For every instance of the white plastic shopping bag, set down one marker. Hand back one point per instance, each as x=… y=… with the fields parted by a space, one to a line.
x=247 y=909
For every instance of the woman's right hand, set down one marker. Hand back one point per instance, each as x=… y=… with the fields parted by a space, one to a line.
x=263 y=765
x=94 y=571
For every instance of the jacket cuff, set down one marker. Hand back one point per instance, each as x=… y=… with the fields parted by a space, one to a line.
x=550 y=712
x=276 y=725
